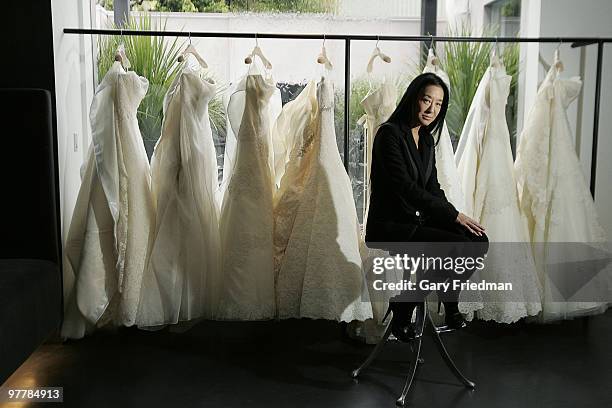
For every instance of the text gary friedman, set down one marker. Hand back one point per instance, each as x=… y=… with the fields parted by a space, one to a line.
x=456 y=284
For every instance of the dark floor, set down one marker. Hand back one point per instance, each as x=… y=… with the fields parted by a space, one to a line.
x=307 y=364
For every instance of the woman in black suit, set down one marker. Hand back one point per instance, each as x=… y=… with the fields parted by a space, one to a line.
x=406 y=202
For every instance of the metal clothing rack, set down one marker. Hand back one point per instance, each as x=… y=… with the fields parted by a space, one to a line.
x=347 y=38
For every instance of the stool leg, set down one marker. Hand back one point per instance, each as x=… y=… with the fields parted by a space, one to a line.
x=374 y=353
x=416 y=358
x=447 y=358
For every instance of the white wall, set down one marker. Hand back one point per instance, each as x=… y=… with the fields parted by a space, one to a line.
x=380 y=8
x=74 y=91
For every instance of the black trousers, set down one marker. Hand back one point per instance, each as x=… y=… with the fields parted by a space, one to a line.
x=453 y=240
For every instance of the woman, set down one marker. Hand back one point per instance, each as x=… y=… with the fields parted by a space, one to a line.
x=407 y=203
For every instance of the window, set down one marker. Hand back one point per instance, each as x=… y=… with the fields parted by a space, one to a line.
x=294 y=61
x=504 y=16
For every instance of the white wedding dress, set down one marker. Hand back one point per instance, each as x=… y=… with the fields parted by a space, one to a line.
x=318 y=263
x=448 y=175
x=486 y=170
x=378 y=105
x=558 y=203
x=247 y=223
x=107 y=242
x=450 y=183
x=235 y=94
x=181 y=280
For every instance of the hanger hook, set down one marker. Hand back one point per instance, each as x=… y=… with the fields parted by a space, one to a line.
x=189 y=37
x=256 y=42
x=323 y=39
x=431 y=41
x=377 y=40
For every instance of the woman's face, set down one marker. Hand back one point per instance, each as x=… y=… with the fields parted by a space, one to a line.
x=429 y=104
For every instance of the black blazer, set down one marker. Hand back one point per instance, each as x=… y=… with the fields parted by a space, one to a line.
x=404 y=185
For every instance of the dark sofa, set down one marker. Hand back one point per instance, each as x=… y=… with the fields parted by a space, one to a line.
x=30 y=261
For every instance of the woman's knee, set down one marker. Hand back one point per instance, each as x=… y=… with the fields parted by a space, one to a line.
x=476 y=245
x=480 y=238
x=483 y=243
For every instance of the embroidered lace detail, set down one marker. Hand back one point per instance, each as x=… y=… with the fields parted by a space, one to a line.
x=242 y=184
x=319 y=272
x=549 y=174
x=246 y=222
x=488 y=179
x=307 y=142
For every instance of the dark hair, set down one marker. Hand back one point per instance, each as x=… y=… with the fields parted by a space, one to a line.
x=407 y=108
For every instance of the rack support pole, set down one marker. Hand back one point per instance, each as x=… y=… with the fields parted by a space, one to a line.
x=347 y=100
x=600 y=46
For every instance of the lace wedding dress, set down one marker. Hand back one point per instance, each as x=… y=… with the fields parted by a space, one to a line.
x=486 y=170
x=236 y=95
x=316 y=238
x=448 y=177
x=181 y=280
x=247 y=223
x=107 y=242
x=559 y=205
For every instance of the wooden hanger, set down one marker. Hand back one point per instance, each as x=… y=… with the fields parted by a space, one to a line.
x=557 y=60
x=495 y=57
x=191 y=50
x=257 y=53
x=120 y=54
x=432 y=57
x=322 y=58
x=430 y=54
x=377 y=53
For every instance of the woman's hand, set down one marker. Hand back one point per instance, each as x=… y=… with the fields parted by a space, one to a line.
x=470 y=224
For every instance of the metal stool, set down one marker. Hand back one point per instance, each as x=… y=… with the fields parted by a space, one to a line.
x=423 y=322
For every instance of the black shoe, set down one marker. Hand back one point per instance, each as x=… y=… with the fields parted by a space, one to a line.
x=452 y=316
x=401 y=325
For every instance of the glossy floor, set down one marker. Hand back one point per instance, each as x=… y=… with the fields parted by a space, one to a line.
x=307 y=364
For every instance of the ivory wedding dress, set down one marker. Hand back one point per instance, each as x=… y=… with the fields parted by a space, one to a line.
x=236 y=95
x=107 y=242
x=316 y=237
x=247 y=223
x=486 y=170
x=558 y=203
x=182 y=277
x=378 y=105
x=448 y=176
